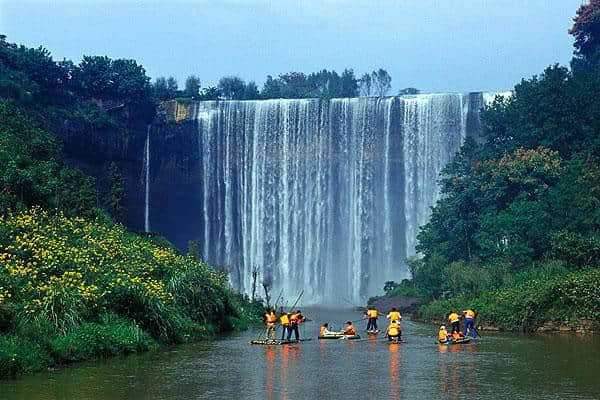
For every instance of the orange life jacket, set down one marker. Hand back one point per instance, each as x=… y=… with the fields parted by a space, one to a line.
x=372 y=313
x=350 y=330
x=453 y=317
x=270 y=318
x=455 y=335
x=285 y=321
x=394 y=316
x=393 y=329
x=296 y=318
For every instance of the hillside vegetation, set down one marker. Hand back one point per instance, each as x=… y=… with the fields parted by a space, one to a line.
x=517 y=232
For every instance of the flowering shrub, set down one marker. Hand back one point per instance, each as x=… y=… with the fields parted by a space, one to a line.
x=68 y=274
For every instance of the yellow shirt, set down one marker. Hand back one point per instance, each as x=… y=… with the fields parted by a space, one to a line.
x=394 y=316
x=453 y=317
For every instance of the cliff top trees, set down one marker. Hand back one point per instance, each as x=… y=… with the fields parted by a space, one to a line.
x=586 y=29
x=192 y=86
x=382 y=82
x=377 y=83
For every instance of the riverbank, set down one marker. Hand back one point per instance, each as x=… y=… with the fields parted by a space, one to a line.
x=74 y=289
x=567 y=303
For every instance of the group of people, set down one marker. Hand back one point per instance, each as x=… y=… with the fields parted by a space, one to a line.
x=456 y=333
x=289 y=323
x=393 y=331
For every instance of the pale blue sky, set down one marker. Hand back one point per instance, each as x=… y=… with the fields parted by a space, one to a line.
x=434 y=45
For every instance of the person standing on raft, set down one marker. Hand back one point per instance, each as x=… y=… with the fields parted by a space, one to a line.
x=394 y=315
x=394 y=332
x=350 y=329
x=270 y=320
x=285 y=325
x=372 y=315
x=454 y=321
x=469 y=322
x=295 y=319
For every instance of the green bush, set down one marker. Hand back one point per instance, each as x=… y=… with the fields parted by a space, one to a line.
x=20 y=355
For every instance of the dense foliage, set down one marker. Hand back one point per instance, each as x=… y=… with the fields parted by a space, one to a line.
x=95 y=289
x=517 y=232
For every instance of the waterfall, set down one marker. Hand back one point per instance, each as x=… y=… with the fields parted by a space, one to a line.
x=146 y=174
x=325 y=196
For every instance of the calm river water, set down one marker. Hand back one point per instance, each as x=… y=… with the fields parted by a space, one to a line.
x=499 y=366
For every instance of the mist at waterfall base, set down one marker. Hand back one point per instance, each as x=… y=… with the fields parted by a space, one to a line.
x=324 y=196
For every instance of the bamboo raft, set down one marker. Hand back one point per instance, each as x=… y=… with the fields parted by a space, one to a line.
x=456 y=341
x=275 y=342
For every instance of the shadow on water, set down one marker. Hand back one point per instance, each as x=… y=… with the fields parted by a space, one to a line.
x=523 y=367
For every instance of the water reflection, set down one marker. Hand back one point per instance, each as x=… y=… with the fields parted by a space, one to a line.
x=270 y=354
x=394 y=373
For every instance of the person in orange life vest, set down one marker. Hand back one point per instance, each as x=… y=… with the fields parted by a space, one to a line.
x=372 y=315
x=443 y=334
x=455 y=321
x=295 y=319
x=469 y=322
x=350 y=329
x=324 y=330
x=457 y=335
x=285 y=324
x=394 y=315
x=394 y=331
x=270 y=320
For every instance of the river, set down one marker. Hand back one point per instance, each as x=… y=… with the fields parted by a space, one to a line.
x=497 y=366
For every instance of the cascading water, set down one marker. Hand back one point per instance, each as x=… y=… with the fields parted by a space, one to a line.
x=146 y=174
x=325 y=196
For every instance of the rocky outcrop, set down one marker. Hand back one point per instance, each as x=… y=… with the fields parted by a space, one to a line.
x=405 y=304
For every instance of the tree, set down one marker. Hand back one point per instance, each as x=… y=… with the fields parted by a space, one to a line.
x=349 y=84
x=192 y=86
x=116 y=191
x=210 y=93
x=586 y=29
x=365 y=84
x=95 y=76
x=267 y=284
x=271 y=89
x=172 y=87
x=159 y=89
x=254 y=278
x=382 y=82
x=232 y=87
x=130 y=82
x=251 y=91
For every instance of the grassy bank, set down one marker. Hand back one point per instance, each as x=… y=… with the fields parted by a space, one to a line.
x=75 y=289
x=564 y=301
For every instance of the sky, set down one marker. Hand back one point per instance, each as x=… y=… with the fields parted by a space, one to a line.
x=433 y=45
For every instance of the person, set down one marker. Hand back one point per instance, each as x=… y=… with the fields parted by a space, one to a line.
x=324 y=330
x=443 y=334
x=457 y=335
x=285 y=325
x=270 y=320
x=454 y=321
x=350 y=329
x=469 y=322
x=394 y=315
x=394 y=331
x=372 y=315
x=295 y=320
